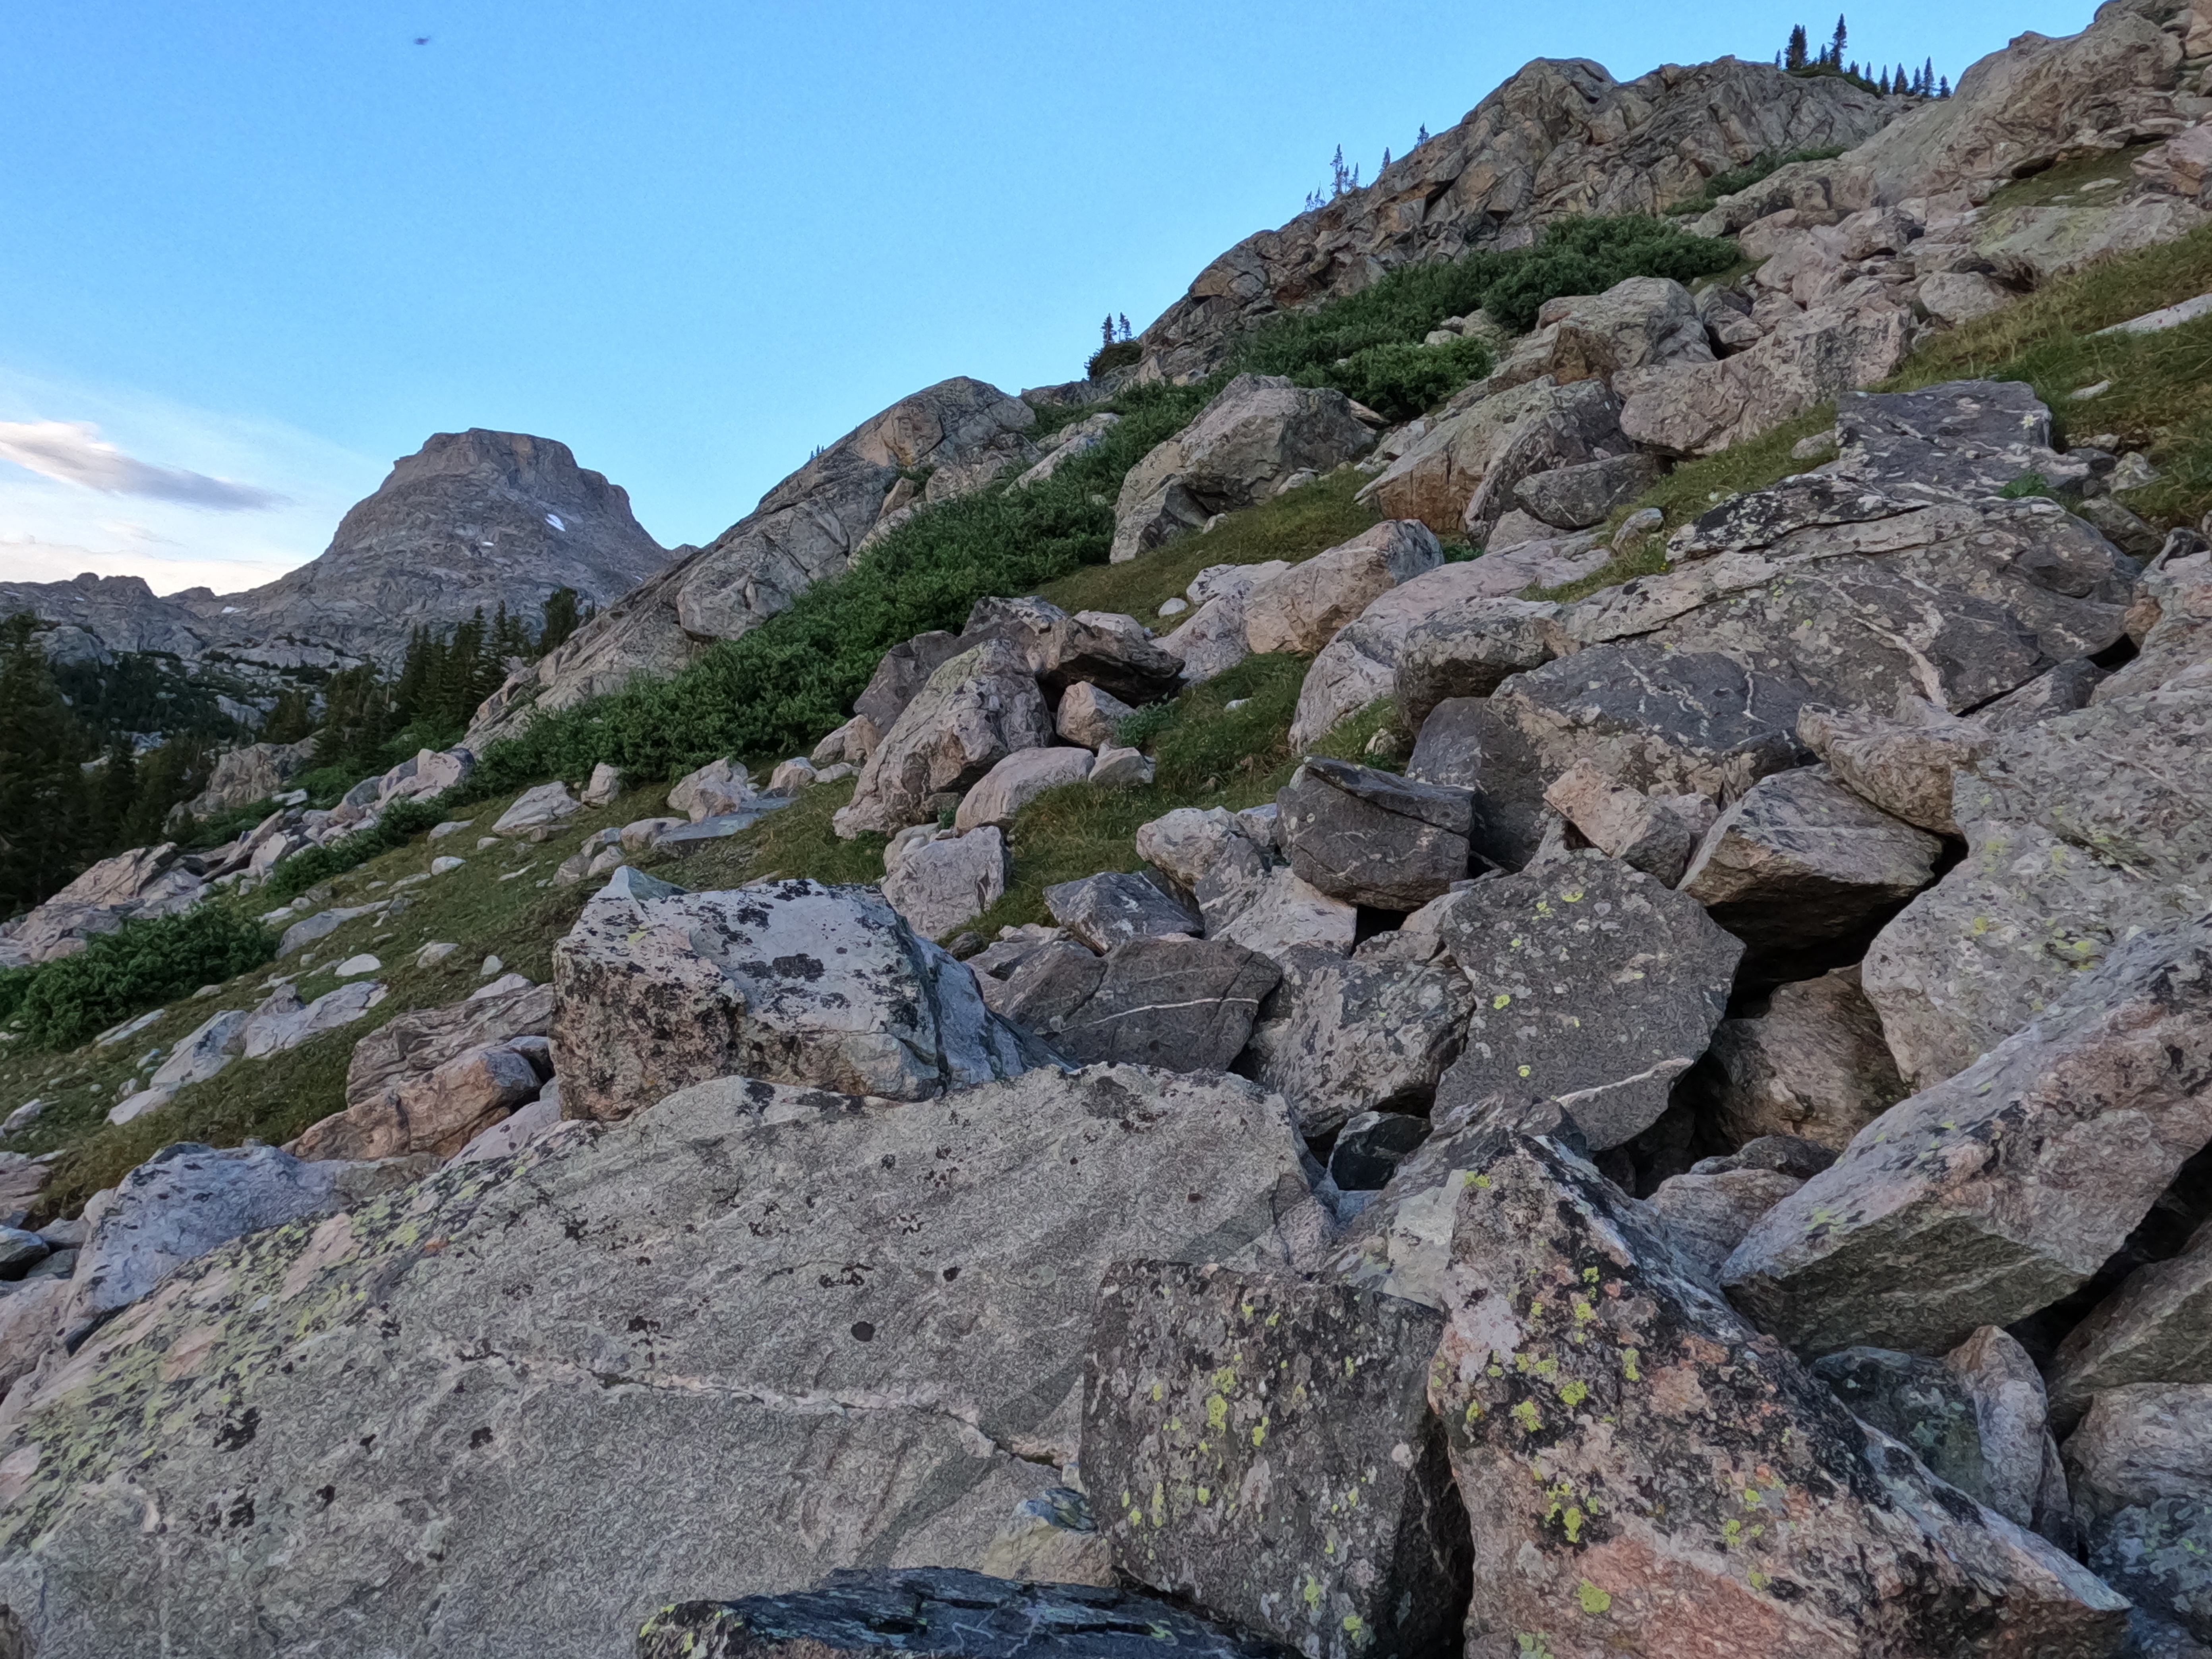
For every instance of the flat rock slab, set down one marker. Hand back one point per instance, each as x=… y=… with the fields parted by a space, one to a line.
x=790 y=981
x=2156 y=1327
x=1999 y=1190
x=864 y=1318
x=1187 y=1004
x=1644 y=1472
x=1594 y=986
x=1372 y=837
x=1264 y=1449
x=1116 y=907
x=940 y=1611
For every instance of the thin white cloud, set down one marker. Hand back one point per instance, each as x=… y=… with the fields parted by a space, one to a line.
x=75 y=453
x=28 y=559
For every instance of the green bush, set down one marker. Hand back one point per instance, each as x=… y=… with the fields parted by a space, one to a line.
x=777 y=690
x=139 y=965
x=1575 y=256
x=1401 y=380
x=401 y=822
x=1108 y=358
x=14 y=983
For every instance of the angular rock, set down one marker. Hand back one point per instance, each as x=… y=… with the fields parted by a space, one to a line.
x=902 y=671
x=1047 y=986
x=1799 y=861
x=1813 y=1064
x=1244 y=446
x=1276 y=1460
x=439 y=1112
x=1090 y=717
x=1341 y=1037
x=1187 y=844
x=978 y=707
x=605 y=783
x=1906 y=768
x=1112 y=909
x=1277 y=913
x=2156 y=1327
x=1922 y=1403
x=1611 y=1499
x=415 y=1044
x=250 y=773
x=1303 y=608
x=1459 y=476
x=1708 y=1215
x=537 y=808
x=2137 y=1465
x=2002 y=1188
x=786 y=981
x=1624 y=824
x=1120 y=769
x=1373 y=837
x=1017 y=781
x=1468 y=651
x=1051 y=1539
x=904 y=1398
x=2020 y=1459
x=1575 y=497
x=525 y=1126
x=2080 y=830
x=862 y=1615
x=1595 y=988
x=938 y=886
x=1184 y=1004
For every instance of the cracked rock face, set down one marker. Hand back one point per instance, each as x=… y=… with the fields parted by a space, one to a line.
x=1372 y=837
x=789 y=981
x=1264 y=1448
x=2009 y=1185
x=1344 y=1037
x=755 y=1332
x=1644 y=1471
x=1593 y=987
x=1184 y=1004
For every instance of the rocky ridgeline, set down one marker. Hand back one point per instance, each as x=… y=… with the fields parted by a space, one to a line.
x=1714 y=1157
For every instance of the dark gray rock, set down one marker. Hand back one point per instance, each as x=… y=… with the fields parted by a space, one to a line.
x=2141 y=1466
x=1789 y=1155
x=1372 y=1147
x=1678 y=1451
x=1594 y=986
x=2061 y=690
x=1114 y=908
x=1707 y=1213
x=1998 y=1191
x=1812 y=1063
x=1467 y=743
x=943 y=1613
x=20 y=1252
x=1467 y=651
x=1342 y=1037
x=1183 y=1005
x=904 y=670
x=2160 y=1556
x=1373 y=837
x=1916 y=1401
x=1578 y=496
x=1049 y=984
x=1274 y=1458
x=1800 y=862
x=2156 y=1327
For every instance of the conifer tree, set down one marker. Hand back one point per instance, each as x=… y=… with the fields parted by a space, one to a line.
x=1836 y=46
x=1125 y=325
x=1385 y=167
x=1927 y=77
x=42 y=807
x=1106 y=331
x=290 y=721
x=1794 y=56
x=560 y=619
x=1422 y=137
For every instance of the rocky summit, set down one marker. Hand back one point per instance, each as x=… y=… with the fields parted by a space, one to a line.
x=1539 y=991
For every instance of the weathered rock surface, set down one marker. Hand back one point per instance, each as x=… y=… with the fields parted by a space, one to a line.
x=1372 y=837
x=952 y=879
x=1580 y=1351
x=1707 y=1215
x=1657 y=837
x=1342 y=1037
x=1799 y=861
x=859 y=1614
x=413 y=1045
x=2008 y=1185
x=1594 y=986
x=790 y=982
x=1813 y=1064
x=1277 y=913
x=250 y=773
x=1303 y=608
x=2156 y=1327
x=1111 y=909
x=977 y=709
x=1090 y=717
x=1275 y=1455
x=2137 y=1465
x=719 y=787
x=285 y=1021
x=1904 y=767
x=1185 y=1004
x=1468 y=650
x=1016 y=781
x=1103 y=648
x=528 y=1345
x=439 y=1112
x=904 y=670
x=1242 y=447
x=1459 y=477
x=2080 y=830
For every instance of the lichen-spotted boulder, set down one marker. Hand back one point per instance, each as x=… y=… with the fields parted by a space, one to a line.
x=1646 y=1472
x=1264 y=1449
x=751 y=1334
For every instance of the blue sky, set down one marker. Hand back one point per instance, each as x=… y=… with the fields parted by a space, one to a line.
x=274 y=246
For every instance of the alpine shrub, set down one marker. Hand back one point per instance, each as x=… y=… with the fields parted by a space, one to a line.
x=1402 y=381
x=400 y=823
x=139 y=965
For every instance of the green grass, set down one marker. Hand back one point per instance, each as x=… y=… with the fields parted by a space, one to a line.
x=2042 y=189
x=2161 y=397
x=1647 y=559
x=1293 y=526
x=1697 y=486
